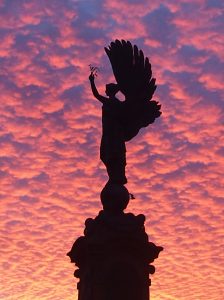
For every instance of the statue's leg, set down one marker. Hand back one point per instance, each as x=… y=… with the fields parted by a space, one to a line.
x=115 y=162
x=116 y=170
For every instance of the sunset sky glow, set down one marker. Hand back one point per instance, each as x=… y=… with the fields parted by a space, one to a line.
x=50 y=128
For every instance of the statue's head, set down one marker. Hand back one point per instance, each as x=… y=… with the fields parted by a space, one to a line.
x=111 y=89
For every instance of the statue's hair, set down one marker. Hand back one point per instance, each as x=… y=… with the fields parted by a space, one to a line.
x=113 y=86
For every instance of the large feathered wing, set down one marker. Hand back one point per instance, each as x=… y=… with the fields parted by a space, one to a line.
x=133 y=74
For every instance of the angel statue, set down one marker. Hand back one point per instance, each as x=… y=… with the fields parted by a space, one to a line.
x=122 y=120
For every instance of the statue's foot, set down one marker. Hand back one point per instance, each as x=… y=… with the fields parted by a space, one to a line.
x=116 y=171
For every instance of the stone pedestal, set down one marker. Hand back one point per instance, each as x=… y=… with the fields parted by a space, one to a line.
x=114 y=255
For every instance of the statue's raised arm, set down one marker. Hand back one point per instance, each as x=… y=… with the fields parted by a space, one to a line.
x=95 y=92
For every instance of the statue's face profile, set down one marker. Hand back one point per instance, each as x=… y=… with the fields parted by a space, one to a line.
x=111 y=89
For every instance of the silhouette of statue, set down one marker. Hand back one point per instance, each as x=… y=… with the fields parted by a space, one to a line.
x=122 y=120
x=114 y=255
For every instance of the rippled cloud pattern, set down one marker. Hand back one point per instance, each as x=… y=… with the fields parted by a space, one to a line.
x=50 y=128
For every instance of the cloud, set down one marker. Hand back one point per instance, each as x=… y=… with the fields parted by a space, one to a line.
x=50 y=128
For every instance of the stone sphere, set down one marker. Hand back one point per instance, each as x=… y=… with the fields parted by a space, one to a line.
x=114 y=197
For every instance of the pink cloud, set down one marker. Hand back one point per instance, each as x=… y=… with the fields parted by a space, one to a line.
x=51 y=174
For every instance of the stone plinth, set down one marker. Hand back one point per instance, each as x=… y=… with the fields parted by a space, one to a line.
x=114 y=256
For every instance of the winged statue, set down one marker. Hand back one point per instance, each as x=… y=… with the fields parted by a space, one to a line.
x=122 y=120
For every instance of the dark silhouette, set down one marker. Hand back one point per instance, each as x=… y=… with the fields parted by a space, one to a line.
x=112 y=148
x=114 y=256
x=122 y=120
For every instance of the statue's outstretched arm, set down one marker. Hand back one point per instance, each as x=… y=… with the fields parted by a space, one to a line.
x=96 y=94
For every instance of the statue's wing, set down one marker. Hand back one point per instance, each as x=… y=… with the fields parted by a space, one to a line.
x=132 y=70
x=138 y=115
x=133 y=74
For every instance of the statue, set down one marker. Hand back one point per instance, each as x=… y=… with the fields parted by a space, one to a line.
x=114 y=255
x=122 y=120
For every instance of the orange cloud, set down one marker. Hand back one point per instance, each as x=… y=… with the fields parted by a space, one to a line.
x=51 y=174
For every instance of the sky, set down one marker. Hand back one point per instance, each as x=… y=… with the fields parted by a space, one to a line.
x=50 y=128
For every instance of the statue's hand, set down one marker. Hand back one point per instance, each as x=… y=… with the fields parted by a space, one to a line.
x=91 y=77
